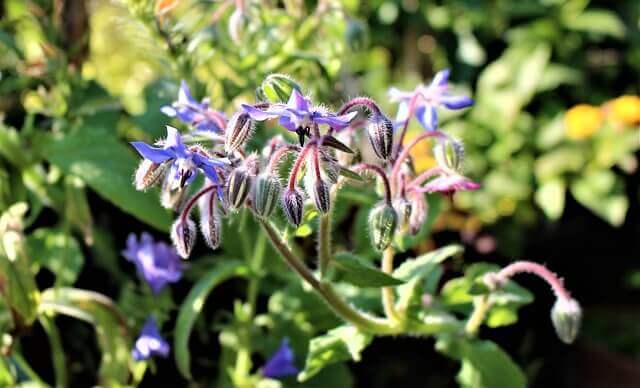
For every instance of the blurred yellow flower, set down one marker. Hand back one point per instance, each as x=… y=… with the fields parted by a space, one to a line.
x=582 y=121
x=164 y=6
x=625 y=110
x=422 y=153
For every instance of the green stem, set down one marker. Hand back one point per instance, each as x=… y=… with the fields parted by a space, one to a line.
x=363 y=321
x=388 y=298
x=26 y=369
x=481 y=306
x=324 y=248
x=57 y=352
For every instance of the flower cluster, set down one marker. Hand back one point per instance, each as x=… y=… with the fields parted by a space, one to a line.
x=324 y=157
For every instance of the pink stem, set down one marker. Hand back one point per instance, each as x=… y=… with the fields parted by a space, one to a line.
x=298 y=164
x=405 y=153
x=556 y=283
x=192 y=201
x=424 y=176
x=381 y=174
x=366 y=101
x=278 y=154
x=411 y=108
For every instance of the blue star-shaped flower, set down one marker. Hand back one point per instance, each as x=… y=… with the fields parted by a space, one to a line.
x=185 y=164
x=423 y=101
x=192 y=112
x=281 y=362
x=150 y=343
x=156 y=262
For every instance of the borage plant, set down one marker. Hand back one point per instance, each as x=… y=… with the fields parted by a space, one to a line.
x=306 y=179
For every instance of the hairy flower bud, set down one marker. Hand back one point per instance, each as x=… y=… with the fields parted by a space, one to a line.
x=148 y=174
x=171 y=198
x=266 y=192
x=210 y=222
x=380 y=133
x=566 y=316
x=382 y=221
x=276 y=88
x=238 y=186
x=239 y=130
x=419 y=212
x=320 y=194
x=183 y=235
x=449 y=154
x=293 y=205
x=403 y=210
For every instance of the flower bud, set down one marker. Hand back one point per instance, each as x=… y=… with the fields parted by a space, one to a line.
x=183 y=235
x=171 y=198
x=238 y=186
x=382 y=221
x=566 y=316
x=276 y=88
x=320 y=194
x=239 y=130
x=329 y=167
x=419 y=212
x=265 y=195
x=449 y=154
x=402 y=208
x=293 y=205
x=380 y=133
x=210 y=222
x=148 y=174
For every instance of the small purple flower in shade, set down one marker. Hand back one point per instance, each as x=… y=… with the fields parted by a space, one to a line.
x=192 y=112
x=150 y=343
x=448 y=183
x=185 y=162
x=156 y=262
x=423 y=101
x=299 y=116
x=281 y=362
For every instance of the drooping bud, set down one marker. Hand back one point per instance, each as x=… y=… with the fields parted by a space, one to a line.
x=238 y=186
x=382 y=221
x=329 y=168
x=293 y=205
x=210 y=222
x=320 y=194
x=449 y=154
x=419 y=212
x=276 y=88
x=183 y=235
x=148 y=174
x=380 y=133
x=566 y=316
x=403 y=210
x=239 y=130
x=266 y=192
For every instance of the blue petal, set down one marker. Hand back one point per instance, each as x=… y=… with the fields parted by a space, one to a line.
x=289 y=124
x=281 y=362
x=441 y=78
x=258 y=114
x=335 y=122
x=298 y=101
x=184 y=94
x=154 y=154
x=428 y=117
x=456 y=102
x=174 y=141
x=403 y=113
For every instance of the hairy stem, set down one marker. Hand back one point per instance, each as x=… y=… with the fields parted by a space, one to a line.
x=556 y=283
x=388 y=297
x=339 y=306
x=324 y=246
x=381 y=174
x=481 y=306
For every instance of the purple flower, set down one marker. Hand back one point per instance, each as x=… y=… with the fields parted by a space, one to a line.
x=156 y=262
x=449 y=183
x=423 y=101
x=192 y=112
x=281 y=362
x=185 y=162
x=150 y=343
x=299 y=116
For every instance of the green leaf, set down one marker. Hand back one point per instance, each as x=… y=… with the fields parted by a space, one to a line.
x=484 y=364
x=111 y=330
x=422 y=275
x=17 y=282
x=76 y=208
x=550 y=197
x=106 y=165
x=340 y=344
x=598 y=21
x=603 y=193
x=192 y=306
x=349 y=268
x=57 y=251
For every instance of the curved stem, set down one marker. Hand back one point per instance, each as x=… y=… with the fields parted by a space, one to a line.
x=381 y=174
x=424 y=176
x=405 y=153
x=324 y=243
x=388 y=297
x=556 y=283
x=193 y=200
x=278 y=154
x=336 y=303
x=365 y=101
x=293 y=175
x=481 y=306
